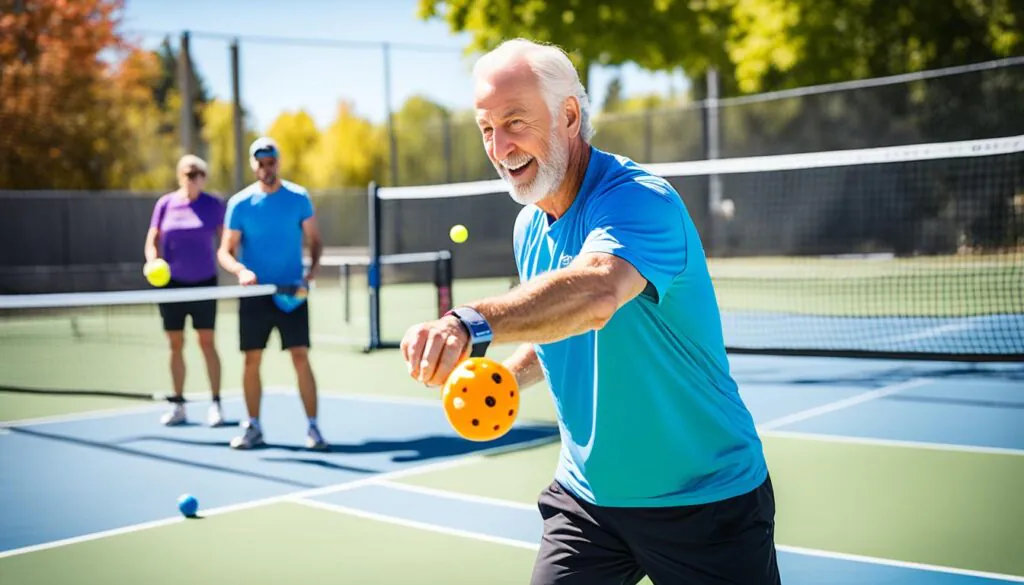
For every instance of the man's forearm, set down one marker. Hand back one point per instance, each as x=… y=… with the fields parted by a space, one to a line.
x=553 y=307
x=316 y=250
x=229 y=263
x=525 y=365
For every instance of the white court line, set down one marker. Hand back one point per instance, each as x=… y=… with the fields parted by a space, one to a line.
x=533 y=546
x=233 y=394
x=406 y=523
x=841 y=404
x=438 y=493
x=927 y=333
x=894 y=443
x=457 y=461
x=901 y=564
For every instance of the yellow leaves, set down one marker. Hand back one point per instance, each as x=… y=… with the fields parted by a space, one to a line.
x=762 y=39
x=296 y=134
x=350 y=152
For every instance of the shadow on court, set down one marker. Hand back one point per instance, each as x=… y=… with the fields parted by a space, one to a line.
x=168 y=459
x=411 y=450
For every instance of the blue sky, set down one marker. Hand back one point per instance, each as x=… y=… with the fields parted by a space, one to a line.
x=277 y=78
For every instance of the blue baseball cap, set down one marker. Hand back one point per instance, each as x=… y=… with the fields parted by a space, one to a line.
x=264 y=147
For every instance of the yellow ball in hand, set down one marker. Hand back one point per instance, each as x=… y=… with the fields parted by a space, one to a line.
x=157 y=272
x=458 y=233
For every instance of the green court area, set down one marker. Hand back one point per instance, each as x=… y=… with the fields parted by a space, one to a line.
x=931 y=286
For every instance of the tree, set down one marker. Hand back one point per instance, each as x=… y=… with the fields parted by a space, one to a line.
x=778 y=44
x=757 y=45
x=656 y=35
x=423 y=134
x=56 y=96
x=297 y=135
x=350 y=153
x=144 y=144
x=613 y=96
x=219 y=135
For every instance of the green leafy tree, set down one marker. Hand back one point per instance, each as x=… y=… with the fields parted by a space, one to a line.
x=656 y=34
x=757 y=45
x=423 y=136
x=779 y=44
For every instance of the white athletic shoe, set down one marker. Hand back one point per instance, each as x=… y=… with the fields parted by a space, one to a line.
x=253 y=437
x=175 y=417
x=315 y=441
x=215 y=417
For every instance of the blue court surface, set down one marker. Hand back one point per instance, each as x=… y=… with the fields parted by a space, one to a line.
x=120 y=471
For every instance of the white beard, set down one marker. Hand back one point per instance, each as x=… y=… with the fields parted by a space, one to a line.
x=549 y=174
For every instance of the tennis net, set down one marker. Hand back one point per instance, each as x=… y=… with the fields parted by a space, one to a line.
x=412 y=287
x=906 y=252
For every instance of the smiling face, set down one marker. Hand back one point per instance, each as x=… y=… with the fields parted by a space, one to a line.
x=524 y=142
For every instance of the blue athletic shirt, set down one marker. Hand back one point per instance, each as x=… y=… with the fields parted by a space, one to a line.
x=649 y=413
x=271 y=226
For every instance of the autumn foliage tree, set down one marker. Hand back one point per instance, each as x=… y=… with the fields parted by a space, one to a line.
x=55 y=95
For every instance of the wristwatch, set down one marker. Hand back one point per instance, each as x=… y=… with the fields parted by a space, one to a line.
x=479 y=330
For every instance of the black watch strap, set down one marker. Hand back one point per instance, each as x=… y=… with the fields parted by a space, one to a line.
x=479 y=330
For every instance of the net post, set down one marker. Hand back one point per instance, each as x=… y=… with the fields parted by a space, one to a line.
x=443 y=282
x=373 y=268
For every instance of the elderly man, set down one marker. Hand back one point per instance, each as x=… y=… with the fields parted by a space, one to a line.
x=661 y=470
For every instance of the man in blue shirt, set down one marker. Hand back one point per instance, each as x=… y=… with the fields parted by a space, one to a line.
x=661 y=471
x=266 y=225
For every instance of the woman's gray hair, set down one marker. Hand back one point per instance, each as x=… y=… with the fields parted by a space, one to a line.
x=191 y=162
x=558 y=78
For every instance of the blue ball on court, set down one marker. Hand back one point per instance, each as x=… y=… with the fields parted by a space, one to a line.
x=188 y=505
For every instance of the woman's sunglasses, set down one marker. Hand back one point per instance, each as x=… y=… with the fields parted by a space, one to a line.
x=193 y=174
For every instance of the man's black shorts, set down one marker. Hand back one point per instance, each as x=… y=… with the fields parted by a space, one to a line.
x=731 y=541
x=204 y=313
x=259 y=316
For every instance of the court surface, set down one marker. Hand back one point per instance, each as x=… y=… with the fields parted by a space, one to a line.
x=891 y=472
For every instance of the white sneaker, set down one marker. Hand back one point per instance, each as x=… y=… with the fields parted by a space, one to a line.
x=175 y=417
x=315 y=441
x=253 y=437
x=215 y=417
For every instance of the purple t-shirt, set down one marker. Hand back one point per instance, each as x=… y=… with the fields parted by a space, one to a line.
x=188 y=231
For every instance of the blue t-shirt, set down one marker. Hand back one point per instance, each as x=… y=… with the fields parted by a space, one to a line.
x=648 y=411
x=271 y=226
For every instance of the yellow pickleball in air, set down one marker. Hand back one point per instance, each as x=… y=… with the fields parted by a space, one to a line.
x=157 y=272
x=458 y=233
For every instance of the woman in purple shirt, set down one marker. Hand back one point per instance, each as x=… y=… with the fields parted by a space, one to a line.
x=184 y=229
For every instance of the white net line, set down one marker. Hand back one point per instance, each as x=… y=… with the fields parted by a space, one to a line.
x=176 y=295
x=756 y=164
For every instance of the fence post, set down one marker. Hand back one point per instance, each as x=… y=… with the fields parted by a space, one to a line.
x=188 y=140
x=392 y=142
x=712 y=146
x=236 y=98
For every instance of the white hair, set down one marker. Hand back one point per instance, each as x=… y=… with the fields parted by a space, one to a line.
x=558 y=78
x=191 y=162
